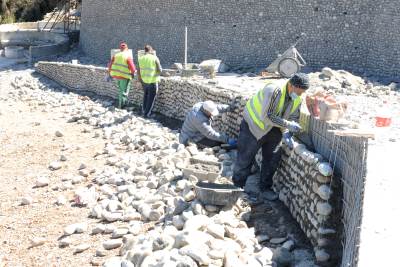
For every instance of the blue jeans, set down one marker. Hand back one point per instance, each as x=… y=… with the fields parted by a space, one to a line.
x=248 y=147
x=149 y=96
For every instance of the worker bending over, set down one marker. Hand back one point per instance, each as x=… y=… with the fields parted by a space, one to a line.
x=122 y=69
x=149 y=75
x=274 y=109
x=197 y=125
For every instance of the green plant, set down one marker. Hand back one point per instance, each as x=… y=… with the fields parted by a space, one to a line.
x=25 y=10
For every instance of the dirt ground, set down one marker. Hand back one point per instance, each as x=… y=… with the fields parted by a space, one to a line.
x=28 y=145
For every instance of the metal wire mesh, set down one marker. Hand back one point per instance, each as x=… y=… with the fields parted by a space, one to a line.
x=348 y=155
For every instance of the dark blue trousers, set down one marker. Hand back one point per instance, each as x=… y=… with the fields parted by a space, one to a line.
x=248 y=147
x=149 y=96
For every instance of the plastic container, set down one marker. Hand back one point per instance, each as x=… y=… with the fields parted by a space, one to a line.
x=383 y=117
x=217 y=194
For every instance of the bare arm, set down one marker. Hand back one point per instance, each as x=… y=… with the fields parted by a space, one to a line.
x=158 y=65
x=110 y=64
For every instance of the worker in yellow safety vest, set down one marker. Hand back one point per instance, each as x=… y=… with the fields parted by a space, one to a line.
x=122 y=69
x=273 y=110
x=149 y=75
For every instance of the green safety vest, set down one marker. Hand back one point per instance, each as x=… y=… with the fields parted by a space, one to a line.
x=120 y=66
x=254 y=106
x=148 y=68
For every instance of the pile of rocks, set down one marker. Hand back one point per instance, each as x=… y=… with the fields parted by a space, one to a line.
x=364 y=99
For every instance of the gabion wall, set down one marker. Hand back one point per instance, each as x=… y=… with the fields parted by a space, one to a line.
x=311 y=196
x=328 y=208
x=176 y=95
x=359 y=35
x=348 y=157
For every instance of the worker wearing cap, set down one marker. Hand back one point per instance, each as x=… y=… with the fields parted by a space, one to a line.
x=149 y=75
x=197 y=125
x=122 y=69
x=273 y=110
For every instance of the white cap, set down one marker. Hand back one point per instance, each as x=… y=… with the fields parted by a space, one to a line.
x=210 y=107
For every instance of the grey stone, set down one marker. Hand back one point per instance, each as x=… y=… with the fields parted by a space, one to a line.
x=27 y=200
x=81 y=248
x=283 y=257
x=59 y=133
x=42 y=181
x=112 y=244
x=277 y=240
x=55 y=165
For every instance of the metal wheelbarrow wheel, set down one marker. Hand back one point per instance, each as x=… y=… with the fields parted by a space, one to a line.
x=288 y=66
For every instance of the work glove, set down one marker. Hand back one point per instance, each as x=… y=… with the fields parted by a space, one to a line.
x=287 y=138
x=294 y=127
x=232 y=143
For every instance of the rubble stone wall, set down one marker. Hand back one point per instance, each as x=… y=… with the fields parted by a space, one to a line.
x=360 y=35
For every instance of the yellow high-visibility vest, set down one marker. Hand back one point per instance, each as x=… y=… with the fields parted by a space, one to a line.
x=120 y=66
x=148 y=68
x=254 y=106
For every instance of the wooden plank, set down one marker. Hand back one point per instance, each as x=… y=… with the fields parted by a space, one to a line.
x=354 y=133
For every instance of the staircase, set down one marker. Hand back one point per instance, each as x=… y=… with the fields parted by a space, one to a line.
x=65 y=17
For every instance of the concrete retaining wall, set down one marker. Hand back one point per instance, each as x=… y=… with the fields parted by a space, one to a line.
x=314 y=200
x=360 y=35
x=40 y=44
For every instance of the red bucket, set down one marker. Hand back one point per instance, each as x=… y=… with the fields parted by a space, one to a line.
x=382 y=122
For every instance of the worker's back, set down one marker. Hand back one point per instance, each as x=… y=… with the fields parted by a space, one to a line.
x=148 y=68
x=193 y=120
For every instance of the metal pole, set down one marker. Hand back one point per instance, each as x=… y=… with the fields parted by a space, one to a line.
x=186 y=49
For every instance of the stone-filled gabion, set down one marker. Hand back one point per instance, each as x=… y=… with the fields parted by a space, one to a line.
x=176 y=95
x=303 y=181
x=358 y=35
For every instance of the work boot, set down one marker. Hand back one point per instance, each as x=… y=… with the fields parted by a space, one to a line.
x=269 y=195
x=239 y=183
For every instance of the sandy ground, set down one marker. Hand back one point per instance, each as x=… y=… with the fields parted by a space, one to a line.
x=28 y=144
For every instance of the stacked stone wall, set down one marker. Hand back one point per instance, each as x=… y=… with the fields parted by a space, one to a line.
x=360 y=35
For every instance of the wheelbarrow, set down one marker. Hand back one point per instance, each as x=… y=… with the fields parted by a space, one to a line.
x=288 y=63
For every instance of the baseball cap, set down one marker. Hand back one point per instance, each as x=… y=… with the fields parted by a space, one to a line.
x=300 y=80
x=211 y=107
x=123 y=45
